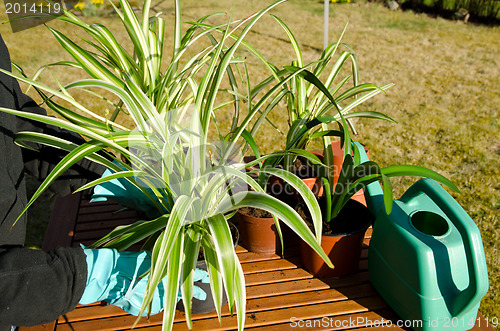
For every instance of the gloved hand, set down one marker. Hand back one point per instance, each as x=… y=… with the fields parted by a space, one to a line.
x=124 y=193
x=110 y=275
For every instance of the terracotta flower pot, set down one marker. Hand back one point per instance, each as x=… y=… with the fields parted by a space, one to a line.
x=344 y=247
x=258 y=234
x=338 y=157
x=314 y=185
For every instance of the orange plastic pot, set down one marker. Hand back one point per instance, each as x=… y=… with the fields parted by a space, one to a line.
x=258 y=234
x=316 y=185
x=344 y=251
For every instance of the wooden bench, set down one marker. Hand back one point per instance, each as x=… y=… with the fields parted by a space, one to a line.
x=280 y=294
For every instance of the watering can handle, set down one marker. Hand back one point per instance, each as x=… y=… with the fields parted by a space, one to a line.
x=476 y=262
x=373 y=192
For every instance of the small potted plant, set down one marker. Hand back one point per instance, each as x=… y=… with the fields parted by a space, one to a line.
x=261 y=231
x=309 y=109
x=345 y=220
x=309 y=113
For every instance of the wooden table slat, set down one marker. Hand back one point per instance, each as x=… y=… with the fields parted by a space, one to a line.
x=86 y=312
x=303 y=298
x=60 y=229
x=103 y=224
x=280 y=316
x=270 y=265
x=245 y=257
x=276 y=276
x=271 y=302
x=259 y=318
x=98 y=209
x=361 y=321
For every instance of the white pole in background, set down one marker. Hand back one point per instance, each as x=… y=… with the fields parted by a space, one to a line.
x=325 y=24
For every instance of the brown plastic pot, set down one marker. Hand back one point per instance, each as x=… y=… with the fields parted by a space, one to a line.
x=207 y=305
x=314 y=183
x=343 y=248
x=258 y=234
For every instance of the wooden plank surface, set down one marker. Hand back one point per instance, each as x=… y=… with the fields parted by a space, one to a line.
x=61 y=227
x=281 y=295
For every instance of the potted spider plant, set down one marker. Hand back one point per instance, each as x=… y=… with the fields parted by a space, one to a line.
x=346 y=220
x=155 y=136
x=309 y=110
x=353 y=177
x=309 y=113
x=261 y=231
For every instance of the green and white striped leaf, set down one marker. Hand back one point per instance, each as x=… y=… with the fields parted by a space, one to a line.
x=88 y=62
x=60 y=95
x=230 y=267
x=124 y=236
x=190 y=257
x=305 y=193
x=281 y=210
x=216 y=283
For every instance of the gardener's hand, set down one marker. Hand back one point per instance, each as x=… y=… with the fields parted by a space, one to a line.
x=110 y=275
x=126 y=194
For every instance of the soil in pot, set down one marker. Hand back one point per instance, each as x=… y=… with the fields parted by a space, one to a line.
x=304 y=169
x=342 y=241
x=309 y=175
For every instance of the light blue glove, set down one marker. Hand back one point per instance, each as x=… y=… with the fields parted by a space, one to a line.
x=126 y=194
x=112 y=276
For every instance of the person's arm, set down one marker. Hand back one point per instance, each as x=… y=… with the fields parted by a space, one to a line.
x=41 y=162
x=37 y=287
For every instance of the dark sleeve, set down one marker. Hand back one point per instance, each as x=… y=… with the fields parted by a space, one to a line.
x=37 y=287
x=41 y=162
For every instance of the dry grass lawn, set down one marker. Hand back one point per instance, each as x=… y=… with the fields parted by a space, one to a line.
x=446 y=98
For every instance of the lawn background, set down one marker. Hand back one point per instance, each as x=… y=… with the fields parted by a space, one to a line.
x=446 y=98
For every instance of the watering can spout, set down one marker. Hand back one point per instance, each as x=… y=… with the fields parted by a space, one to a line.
x=373 y=192
x=374 y=197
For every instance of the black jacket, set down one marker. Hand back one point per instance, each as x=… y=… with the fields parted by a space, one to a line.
x=35 y=287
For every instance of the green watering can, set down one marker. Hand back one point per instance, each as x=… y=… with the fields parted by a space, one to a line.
x=426 y=258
